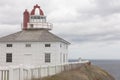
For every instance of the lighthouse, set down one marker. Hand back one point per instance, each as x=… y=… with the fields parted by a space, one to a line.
x=35 y=19
x=34 y=44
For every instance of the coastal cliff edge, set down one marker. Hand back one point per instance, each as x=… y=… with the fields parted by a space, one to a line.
x=86 y=72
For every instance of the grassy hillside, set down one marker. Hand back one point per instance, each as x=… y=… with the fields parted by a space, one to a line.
x=86 y=72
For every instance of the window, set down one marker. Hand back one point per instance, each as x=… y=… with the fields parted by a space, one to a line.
x=47 y=45
x=9 y=45
x=28 y=45
x=47 y=57
x=31 y=25
x=60 y=57
x=35 y=17
x=32 y=17
x=42 y=17
x=64 y=58
x=38 y=17
x=9 y=57
x=66 y=46
x=60 y=45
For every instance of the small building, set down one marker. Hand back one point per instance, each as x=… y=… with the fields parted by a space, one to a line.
x=34 y=44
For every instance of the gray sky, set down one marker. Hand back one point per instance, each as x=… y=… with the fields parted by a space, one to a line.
x=92 y=26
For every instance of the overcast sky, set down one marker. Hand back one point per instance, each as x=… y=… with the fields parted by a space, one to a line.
x=92 y=26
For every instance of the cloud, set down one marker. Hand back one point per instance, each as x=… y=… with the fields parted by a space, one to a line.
x=88 y=20
x=11 y=12
x=8 y=29
x=101 y=37
x=103 y=8
x=79 y=21
x=95 y=29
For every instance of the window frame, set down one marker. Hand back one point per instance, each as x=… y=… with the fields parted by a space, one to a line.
x=64 y=58
x=28 y=45
x=47 y=45
x=60 y=45
x=9 y=45
x=9 y=57
x=47 y=57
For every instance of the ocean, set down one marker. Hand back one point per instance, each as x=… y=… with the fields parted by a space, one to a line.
x=111 y=66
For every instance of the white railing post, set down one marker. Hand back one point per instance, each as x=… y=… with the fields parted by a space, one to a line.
x=21 y=74
x=39 y=72
x=48 y=71
x=29 y=74
x=55 y=69
x=11 y=74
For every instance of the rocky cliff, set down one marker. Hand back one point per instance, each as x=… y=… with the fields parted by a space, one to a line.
x=86 y=72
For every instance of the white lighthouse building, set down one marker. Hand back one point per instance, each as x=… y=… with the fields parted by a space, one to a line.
x=34 y=44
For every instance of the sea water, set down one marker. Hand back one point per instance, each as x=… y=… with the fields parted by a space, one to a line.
x=111 y=66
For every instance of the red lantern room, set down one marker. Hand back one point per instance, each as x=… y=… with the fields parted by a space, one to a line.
x=35 y=19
